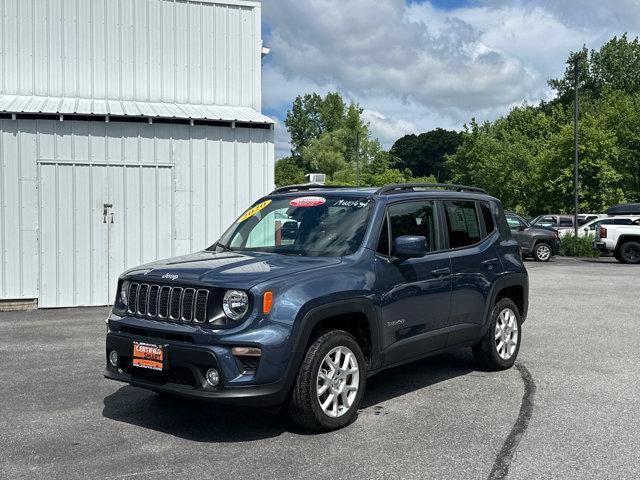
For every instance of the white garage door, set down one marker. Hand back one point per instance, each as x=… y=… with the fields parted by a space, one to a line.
x=97 y=220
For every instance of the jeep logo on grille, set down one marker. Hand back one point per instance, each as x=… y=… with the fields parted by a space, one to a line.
x=170 y=276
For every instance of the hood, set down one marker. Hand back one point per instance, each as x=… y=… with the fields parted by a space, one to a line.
x=227 y=269
x=542 y=230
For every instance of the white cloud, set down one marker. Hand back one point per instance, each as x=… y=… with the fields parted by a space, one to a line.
x=419 y=67
x=386 y=129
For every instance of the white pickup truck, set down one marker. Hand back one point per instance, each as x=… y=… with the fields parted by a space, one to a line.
x=621 y=240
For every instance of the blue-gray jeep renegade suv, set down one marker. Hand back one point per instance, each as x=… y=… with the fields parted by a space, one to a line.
x=316 y=288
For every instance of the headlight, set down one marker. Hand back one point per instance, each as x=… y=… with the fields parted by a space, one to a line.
x=124 y=293
x=235 y=304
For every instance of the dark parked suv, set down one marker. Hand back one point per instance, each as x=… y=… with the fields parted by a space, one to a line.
x=314 y=289
x=541 y=243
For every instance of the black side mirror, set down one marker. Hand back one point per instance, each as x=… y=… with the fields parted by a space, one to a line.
x=522 y=228
x=410 y=246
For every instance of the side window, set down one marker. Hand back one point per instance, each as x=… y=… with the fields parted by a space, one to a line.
x=487 y=216
x=462 y=223
x=566 y=222
x=415 y=218
x=622 y=221
x=546 y=222
x=513 y=222
x=383 y=242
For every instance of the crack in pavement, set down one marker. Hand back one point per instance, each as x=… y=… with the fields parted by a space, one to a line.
x=501 y=465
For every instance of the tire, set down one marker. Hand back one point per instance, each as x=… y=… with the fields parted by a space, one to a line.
x=629 y=252
x=486 y=352
x=542 y=252
x=305 y=403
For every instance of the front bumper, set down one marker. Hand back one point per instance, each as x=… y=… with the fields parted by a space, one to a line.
x=189 y=352
x=600 y=246
x=184 y=374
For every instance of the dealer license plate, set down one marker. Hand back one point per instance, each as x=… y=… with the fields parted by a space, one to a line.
x=148 y=355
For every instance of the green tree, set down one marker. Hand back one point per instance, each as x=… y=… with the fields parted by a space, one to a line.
x=599 y=181
x=303 y=122
x=326 y=154
x=287 y=172
x=616 y=65
x=424 y=154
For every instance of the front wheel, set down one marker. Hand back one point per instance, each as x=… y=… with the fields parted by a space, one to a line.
x=629 y=252
x=330 y=383
x=542 y=252
x=499 y=348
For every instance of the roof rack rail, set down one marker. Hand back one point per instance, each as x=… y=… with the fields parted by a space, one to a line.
x=307 y=187
x=404 y=187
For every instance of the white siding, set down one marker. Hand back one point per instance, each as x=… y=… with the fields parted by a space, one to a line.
x=174 y=51
x=216 y=171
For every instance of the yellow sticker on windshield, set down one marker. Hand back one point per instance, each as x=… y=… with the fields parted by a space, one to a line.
x=252 y=211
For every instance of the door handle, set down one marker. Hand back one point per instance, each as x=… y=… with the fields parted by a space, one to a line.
x=441 y=272
x=490 y=263
x=105 y=212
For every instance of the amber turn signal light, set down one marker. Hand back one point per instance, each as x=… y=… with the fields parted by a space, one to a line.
x=267 y=301
x=246 y=352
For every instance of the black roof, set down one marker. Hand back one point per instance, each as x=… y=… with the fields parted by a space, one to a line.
x=625 y=209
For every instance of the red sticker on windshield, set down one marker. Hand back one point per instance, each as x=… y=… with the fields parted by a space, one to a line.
x=307 y=202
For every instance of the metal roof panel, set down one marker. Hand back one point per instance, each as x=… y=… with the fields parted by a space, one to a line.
x=84 y=106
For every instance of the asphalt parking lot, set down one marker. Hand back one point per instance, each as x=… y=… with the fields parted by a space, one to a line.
x=569 y=411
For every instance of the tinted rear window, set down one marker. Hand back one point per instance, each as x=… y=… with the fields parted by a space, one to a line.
x=462 y=223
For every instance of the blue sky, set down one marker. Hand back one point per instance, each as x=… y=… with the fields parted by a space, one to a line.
x=418 y=65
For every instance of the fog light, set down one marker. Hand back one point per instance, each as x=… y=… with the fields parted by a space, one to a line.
x=213 y=377
x=113 y=358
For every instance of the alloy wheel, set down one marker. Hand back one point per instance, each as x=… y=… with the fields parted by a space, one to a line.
x=543 y=252
x=338 y=381
x=506 y=334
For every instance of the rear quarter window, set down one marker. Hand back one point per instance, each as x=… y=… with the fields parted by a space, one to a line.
x=487 y=217
x=462 y=223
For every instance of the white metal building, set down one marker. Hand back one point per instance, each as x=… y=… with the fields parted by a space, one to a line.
x=130 y=130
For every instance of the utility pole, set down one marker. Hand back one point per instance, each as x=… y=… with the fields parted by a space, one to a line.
x=357 y=159
x=575 y=60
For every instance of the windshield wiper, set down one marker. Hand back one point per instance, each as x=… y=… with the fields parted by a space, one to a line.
x=223 y=247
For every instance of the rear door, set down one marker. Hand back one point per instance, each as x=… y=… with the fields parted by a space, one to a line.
x=415 y=292
x=475 y=263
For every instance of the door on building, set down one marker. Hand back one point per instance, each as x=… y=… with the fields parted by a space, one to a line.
x=97 y=220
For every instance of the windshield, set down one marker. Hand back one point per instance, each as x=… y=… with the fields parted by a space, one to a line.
x=542 y=221
x=308 y=225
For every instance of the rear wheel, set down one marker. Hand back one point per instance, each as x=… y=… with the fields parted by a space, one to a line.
x=629 y=252
x=330 y=383
x=499 y=348
x=542 y=252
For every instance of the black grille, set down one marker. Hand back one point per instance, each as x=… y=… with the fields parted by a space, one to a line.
x=143 y=300
x=188 y=297
x=178 y=304
x=163 y=304
x=174 y=306
x=153 y=300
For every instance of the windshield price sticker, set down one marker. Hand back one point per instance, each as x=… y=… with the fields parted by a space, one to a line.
x=308 y=202
x=252 y=211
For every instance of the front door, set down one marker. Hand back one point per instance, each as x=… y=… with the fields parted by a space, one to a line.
x=415 y=292
x=517 y=227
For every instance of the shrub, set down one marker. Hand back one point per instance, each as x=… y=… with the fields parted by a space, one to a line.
x=572 y=246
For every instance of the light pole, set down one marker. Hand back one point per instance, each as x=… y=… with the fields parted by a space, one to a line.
x=575 y=60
